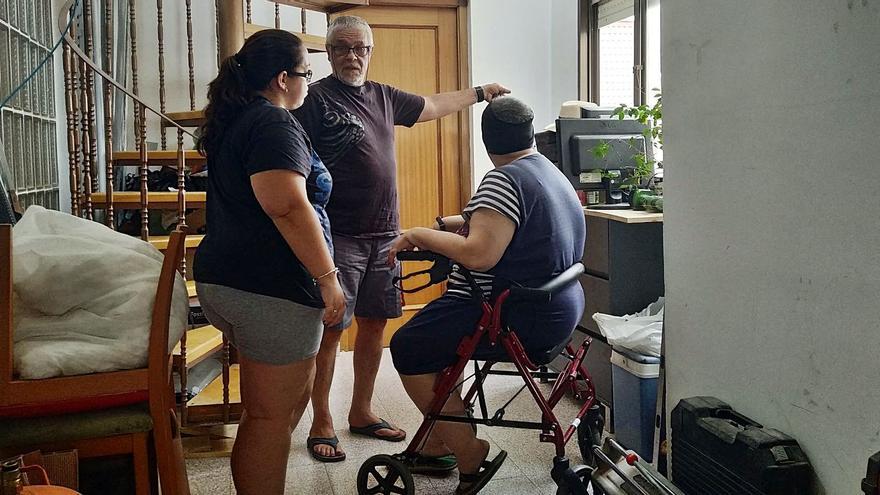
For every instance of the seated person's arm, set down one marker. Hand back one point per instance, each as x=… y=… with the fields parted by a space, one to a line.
x=490 y=234
x=451 y=223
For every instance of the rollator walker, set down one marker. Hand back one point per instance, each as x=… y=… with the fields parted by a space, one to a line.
x=390 y=474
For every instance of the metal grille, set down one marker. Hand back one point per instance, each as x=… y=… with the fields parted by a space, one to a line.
x=27 y=122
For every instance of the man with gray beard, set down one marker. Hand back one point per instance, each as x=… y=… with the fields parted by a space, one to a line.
x=350 y=122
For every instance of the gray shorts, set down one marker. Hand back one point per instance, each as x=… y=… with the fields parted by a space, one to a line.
x=366 y=278
x=263 y=328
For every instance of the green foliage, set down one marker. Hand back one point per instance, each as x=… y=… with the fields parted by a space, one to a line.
x=652 y=118
x=600 y=151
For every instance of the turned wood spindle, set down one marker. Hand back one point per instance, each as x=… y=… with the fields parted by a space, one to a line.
x=160 y=29
x=225 y=373
x=144 y=171
x=92 y=122
x=85 y=140
x=189 y=54
x=72 y=136
x=181 y=190
x=109 y=211
x=132 y=28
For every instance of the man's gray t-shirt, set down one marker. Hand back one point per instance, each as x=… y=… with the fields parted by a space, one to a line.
x=352 y=130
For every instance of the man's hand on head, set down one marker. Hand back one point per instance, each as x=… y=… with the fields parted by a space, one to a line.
x=493 y=90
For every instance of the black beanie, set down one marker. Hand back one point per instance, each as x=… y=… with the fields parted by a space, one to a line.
x=507 y=126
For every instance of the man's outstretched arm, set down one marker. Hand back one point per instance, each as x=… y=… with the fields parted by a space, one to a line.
x=442 y=104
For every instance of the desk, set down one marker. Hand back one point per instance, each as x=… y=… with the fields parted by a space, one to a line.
x=623 y=257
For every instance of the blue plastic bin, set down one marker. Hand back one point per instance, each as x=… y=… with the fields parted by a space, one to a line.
x=634 y=378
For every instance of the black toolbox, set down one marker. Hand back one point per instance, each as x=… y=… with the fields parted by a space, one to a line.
x=717 y=451
x=871 y=483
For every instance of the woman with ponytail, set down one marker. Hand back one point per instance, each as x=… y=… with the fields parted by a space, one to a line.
x=264 y=272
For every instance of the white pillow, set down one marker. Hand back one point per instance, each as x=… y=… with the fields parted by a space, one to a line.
x=83 y=296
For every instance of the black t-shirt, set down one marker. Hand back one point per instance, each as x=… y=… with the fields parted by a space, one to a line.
x=243 y=249
x=352 y=129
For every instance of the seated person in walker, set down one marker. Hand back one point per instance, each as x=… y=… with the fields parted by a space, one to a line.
x=524 y=225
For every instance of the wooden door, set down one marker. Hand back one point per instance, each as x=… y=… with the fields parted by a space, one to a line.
x=417 y=49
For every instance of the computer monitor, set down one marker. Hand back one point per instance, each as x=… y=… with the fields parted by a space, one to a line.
x=578 y=142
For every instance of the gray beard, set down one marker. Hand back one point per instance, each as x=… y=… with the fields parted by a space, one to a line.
x=356 y=83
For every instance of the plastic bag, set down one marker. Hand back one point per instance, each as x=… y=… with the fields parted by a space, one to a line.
x=641 y=332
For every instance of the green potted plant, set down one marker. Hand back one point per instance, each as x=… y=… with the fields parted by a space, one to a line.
x=651 y=116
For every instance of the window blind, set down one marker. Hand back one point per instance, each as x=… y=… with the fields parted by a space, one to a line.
x=611 y=11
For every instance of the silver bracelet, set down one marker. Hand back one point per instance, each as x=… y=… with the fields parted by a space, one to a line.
x=331 y=272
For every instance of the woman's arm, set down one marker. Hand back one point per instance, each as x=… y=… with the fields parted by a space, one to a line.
x=282 y=195
x=490 y=233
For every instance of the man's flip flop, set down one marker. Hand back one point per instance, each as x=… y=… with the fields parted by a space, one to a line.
x=482 y=477
x=370 y=431
x=333 y=442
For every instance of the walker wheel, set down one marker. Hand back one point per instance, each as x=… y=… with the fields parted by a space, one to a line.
x=589 y=434
x=575 y=481
x=384 y=474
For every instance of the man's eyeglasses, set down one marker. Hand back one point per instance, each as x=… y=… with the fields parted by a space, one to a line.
x=360 y=51
x=307 y=74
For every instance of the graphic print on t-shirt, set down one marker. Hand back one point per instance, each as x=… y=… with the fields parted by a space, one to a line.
x=342 y=131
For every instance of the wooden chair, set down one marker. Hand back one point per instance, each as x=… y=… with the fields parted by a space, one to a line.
x=101 y=413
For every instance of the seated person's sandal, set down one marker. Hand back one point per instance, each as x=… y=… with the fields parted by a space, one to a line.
x=481 y=478
x=430 y=465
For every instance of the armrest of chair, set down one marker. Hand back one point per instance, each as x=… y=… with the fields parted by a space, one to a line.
x=544 y=293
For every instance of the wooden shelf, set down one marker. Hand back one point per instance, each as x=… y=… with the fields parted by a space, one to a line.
x=313 y=43
x=213 y=394
x=156 y=157
x=201 y=343
x=160 y=242
x=325 y=6
x=131 y=200
x=192 y=118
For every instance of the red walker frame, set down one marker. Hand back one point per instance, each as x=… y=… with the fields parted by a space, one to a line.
x=490 y=323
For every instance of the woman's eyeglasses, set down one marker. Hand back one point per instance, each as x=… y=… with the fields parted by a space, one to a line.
x=341 y=51
x=307 y=74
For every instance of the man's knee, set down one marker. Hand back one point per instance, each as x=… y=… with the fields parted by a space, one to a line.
x=371 y=326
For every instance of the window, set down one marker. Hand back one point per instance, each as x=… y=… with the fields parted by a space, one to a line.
x=619 y=51
x=616 y=38
x=27 y=123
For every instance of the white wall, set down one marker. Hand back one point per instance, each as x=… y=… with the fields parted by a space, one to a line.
x=530 y=47
x=771 y=233
x=563 y=55
x=61 y=115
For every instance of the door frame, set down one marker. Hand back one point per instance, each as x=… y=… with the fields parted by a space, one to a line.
x=462 y=14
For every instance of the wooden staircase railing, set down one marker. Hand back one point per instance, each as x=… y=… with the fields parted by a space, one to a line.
x=90 y=94
x=80 y=70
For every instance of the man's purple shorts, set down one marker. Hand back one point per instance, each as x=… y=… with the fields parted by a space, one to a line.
x=366 y=278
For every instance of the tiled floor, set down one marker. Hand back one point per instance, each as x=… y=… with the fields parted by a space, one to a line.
x=526 y=471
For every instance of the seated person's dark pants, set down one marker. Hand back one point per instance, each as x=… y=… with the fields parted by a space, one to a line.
x=429 y=341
